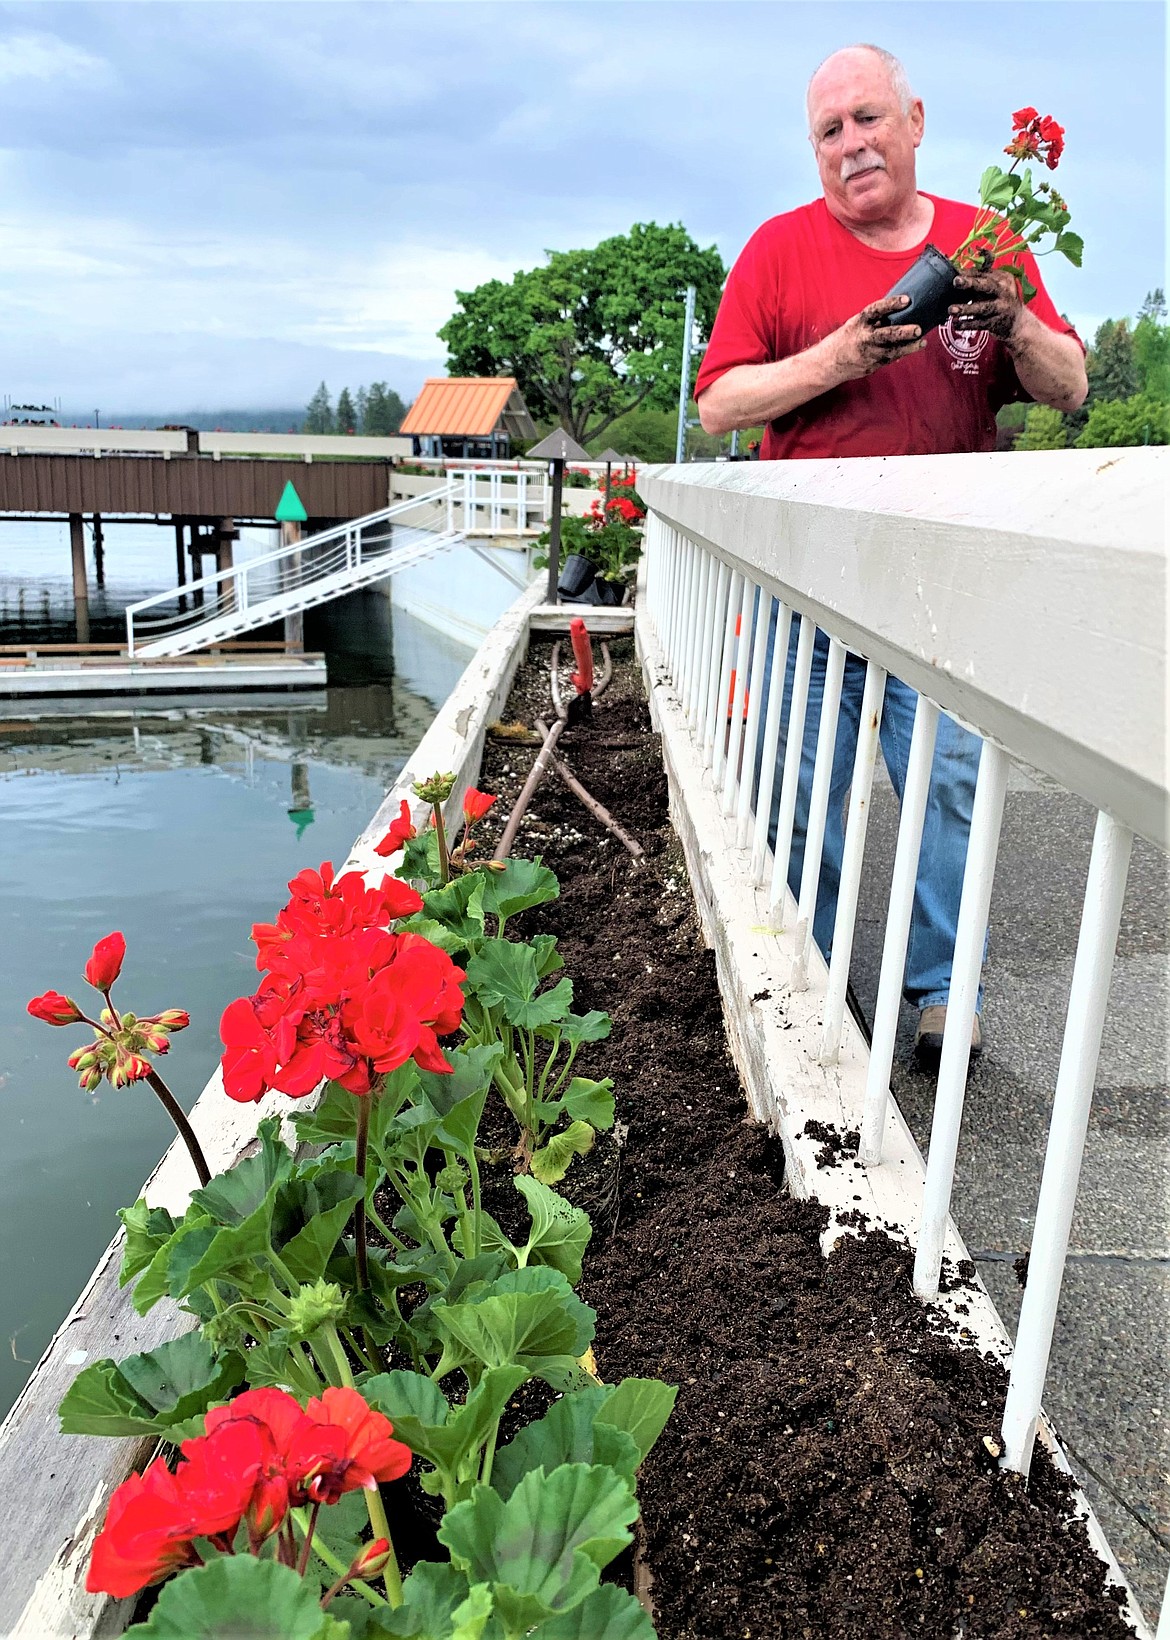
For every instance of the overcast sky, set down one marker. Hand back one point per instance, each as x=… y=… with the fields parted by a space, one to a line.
x=216 y=204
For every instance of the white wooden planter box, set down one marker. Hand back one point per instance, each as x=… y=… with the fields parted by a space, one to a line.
x=54 y=1489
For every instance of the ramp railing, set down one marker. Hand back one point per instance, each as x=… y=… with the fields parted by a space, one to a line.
x=300 y=574
x=1024 y=595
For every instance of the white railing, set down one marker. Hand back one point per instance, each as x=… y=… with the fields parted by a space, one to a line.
x=295 y=576
x=495 y=501
x=1023 y=595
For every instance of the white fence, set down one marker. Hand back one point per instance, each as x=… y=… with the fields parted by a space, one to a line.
x=1023 y=595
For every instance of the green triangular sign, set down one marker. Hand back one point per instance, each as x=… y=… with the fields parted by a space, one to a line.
x=290 y=509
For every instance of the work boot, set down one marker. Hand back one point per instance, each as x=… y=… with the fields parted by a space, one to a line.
x=928 y=1039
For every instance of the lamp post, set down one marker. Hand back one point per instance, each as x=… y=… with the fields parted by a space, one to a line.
x=556 y=449
x=609 y=456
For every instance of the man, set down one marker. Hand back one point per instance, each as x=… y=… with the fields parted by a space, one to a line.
x=799 y=343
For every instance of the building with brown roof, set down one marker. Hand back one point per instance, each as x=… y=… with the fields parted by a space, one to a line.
x=469 y=416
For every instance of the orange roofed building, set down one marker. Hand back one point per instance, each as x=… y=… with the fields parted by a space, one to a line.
x=469 y=416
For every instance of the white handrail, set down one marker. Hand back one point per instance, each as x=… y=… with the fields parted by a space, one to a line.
x=1022 y=594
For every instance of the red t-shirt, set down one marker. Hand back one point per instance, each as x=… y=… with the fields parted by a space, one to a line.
x=801 y=276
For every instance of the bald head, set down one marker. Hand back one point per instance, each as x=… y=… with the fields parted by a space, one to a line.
x=846 y=58
x=865 y=124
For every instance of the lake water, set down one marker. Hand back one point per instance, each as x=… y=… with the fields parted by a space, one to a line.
x=178 y=822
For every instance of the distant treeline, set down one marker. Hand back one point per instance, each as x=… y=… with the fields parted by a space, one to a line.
x=206 y=421
x=375 y=411
x=1128 y=367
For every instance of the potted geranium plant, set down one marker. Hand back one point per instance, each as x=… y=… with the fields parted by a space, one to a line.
x=1014 y=216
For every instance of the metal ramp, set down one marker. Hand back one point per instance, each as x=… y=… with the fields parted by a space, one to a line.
x=297 y=576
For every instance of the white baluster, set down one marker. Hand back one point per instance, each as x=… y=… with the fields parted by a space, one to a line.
x=851 y=860
x=793 y=744
x=735 y=593
x=1080 y=1050
x=818 y=809
x=737 y=687
x=982 y=848
x=901 y=907
x=771 y=740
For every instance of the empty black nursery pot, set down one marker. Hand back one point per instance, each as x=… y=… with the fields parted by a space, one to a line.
x=576 y=575
x=930 y=285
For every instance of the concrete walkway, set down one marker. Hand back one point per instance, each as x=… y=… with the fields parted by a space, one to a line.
x=1109 y=1384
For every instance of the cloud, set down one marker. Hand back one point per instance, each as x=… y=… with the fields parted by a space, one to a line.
x=237 y=191
x=47 y=58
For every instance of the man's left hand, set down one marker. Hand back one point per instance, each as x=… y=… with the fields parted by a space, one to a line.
x=994 y=304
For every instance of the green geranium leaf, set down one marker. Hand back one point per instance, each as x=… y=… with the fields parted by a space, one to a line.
x=192 y=1237
x=234 y=1253
x=233 y=1196
x=461 y=1123
x=147 y=1229
x=452 y=1439
x=640 y=1407
x=325 y=1209
x=571 y=1431
x=458 y=907
x=548 y=958
x=243 y=1597
x=420 y=858
x=560 y=1232
x=608 y=1611
x=437 y=1604
x=149 y=1394
x=471 y=1069
x=542 y=1550
x=530 y=1318
x=590 y=1102
x=506 y=975
x=551 y=1162
x=1072 y=246
x=591 y=1027
x=521 y=885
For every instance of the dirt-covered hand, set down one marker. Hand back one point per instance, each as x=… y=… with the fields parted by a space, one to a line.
x=994 y=304
x=863 y=344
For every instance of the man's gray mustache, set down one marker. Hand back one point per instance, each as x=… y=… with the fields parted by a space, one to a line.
x=854 y=167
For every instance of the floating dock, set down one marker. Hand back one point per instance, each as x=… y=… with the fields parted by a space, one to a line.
x=106 y=669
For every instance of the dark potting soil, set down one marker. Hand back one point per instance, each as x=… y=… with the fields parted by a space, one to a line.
x=830 y=1467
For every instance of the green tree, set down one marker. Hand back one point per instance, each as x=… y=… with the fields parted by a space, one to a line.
x=384 y=411
x=346 y=417
x=1044 y=429
x=319 y=412
x=1151 y=346
x=361 y=400
x=593 y=334
x=1136 y=420
x=1111 y=367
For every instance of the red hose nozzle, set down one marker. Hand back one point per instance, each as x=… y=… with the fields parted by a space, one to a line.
x=583 y=654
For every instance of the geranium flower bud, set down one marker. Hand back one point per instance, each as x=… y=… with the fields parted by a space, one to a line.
x=105 y=964
x=157 y=1041
x=91 y=1081
x=370 y=1561
x=313 y=1306
x=83 y=1059
x=173 y=1019
x=55 y=1009
x=436 y=789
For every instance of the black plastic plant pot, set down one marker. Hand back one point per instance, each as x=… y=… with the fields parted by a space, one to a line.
x=930 y=285
x=576 y=575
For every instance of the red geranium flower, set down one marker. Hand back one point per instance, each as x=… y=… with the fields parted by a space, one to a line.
x=401 y=831
x=105 y=964
x=144 y=1538
x=475 y=805
x=249 y=1060
x=1022 y=117
x=350 y=1447
x=55 y=1009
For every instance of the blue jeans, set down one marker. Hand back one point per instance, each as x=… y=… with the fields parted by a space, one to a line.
x=945 y=830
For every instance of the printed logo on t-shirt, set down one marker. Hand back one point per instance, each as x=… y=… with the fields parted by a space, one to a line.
x=964 y=346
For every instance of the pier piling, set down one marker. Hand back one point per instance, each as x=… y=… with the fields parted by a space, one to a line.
x=80 y=586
